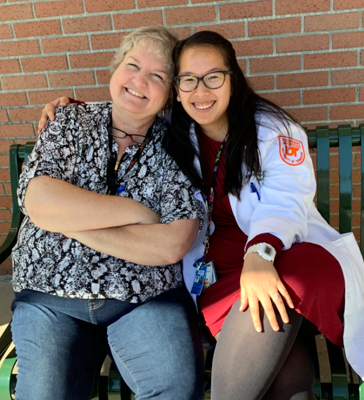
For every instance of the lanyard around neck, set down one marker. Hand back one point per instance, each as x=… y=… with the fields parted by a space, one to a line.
x=113 y=164
x=209 y=200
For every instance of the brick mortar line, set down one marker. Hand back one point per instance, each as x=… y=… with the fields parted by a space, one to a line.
x=206 y=23
x=359 y=67
x=247 y=38
x=218 y=16
x=164 y=18
x=330 y=78
x=23 y=57
x=99 y=86
x=281 y=54
x=68 y=61
x=310 y=88
x=173 y=7
x=113 y=49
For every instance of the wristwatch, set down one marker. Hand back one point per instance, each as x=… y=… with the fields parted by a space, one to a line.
x=265 y=250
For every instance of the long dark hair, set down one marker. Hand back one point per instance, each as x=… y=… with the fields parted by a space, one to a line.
x=242 y=143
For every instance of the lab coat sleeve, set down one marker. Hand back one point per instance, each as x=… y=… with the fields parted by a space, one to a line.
x=287 y=188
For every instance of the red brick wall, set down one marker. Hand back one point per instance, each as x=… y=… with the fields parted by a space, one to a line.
x=305 y=55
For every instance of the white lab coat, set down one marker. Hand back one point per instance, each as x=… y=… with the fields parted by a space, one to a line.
x=284 y=207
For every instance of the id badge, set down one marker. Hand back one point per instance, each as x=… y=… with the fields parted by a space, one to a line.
x=199 y=279
x=210 y=276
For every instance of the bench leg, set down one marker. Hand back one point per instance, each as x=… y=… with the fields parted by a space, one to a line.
x=7 y=379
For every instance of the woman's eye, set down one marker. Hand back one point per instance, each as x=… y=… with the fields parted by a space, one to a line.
x=134 y=66
x=187 y=79
x=158 y=77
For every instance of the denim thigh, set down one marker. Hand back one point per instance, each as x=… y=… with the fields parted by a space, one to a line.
x=60 y=341
x=58 y=355
x=157 y=348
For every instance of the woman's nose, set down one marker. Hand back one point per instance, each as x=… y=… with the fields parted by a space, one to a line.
x=141 y=79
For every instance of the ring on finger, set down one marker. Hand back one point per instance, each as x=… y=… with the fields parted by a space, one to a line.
x=275 y=296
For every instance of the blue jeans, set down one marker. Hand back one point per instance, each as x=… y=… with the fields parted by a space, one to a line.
x=156 y=345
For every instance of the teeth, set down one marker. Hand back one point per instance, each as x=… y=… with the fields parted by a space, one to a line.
x=204 y=107
x=135 y=93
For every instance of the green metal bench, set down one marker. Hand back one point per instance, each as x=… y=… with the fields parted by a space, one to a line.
x=343 y=138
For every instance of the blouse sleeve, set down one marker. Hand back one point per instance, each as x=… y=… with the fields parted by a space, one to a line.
x=54 y=154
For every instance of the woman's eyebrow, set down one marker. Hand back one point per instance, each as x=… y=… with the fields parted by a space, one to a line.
x=207 y=72
x=164 y=71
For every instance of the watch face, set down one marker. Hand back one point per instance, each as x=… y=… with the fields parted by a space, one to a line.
x=268 y=251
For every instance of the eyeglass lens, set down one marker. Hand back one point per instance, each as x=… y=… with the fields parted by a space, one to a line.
x=214 y=80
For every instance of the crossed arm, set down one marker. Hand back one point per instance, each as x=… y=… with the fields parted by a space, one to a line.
x=114 y=225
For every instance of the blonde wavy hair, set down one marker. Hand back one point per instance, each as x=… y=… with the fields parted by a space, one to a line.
x=160 y=39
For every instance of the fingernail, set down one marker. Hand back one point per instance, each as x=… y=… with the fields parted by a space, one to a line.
x=258 y=328
x=276 y=328
x=286 y=320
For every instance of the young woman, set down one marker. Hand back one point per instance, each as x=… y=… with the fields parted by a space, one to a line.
x=100 y=171
x=271 y=248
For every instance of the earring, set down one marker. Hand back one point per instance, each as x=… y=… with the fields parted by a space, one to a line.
x=161 y=113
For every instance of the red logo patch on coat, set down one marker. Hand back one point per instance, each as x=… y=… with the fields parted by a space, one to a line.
x=291 y=150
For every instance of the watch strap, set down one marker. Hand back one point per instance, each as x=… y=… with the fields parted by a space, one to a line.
x=265 y=250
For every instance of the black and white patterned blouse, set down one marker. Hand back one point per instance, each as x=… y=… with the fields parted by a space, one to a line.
x=75 y=148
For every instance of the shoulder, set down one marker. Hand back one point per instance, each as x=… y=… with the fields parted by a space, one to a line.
x=157 y=144
x=89 y=111
x=271 y=128
x=281 y=142
x=83 y=122
x=160 y=129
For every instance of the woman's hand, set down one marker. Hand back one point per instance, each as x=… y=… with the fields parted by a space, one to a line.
x=48 y=111
x=260 y=283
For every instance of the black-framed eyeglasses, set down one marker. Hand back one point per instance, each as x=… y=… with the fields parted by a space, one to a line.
x=212 y=80
x=134 y=138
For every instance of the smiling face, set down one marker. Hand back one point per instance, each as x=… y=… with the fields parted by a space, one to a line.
x=140 y=86
x=208 y=107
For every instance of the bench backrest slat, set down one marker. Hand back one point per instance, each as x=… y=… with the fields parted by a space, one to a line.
x=346 y=139
x=323 y=172
x=345 y=179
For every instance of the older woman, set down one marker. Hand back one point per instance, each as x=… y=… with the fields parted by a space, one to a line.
x=99 y=170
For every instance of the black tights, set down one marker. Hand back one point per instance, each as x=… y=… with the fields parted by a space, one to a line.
x=271 y=365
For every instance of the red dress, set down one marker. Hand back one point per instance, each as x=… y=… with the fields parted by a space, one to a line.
x=312 y=276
